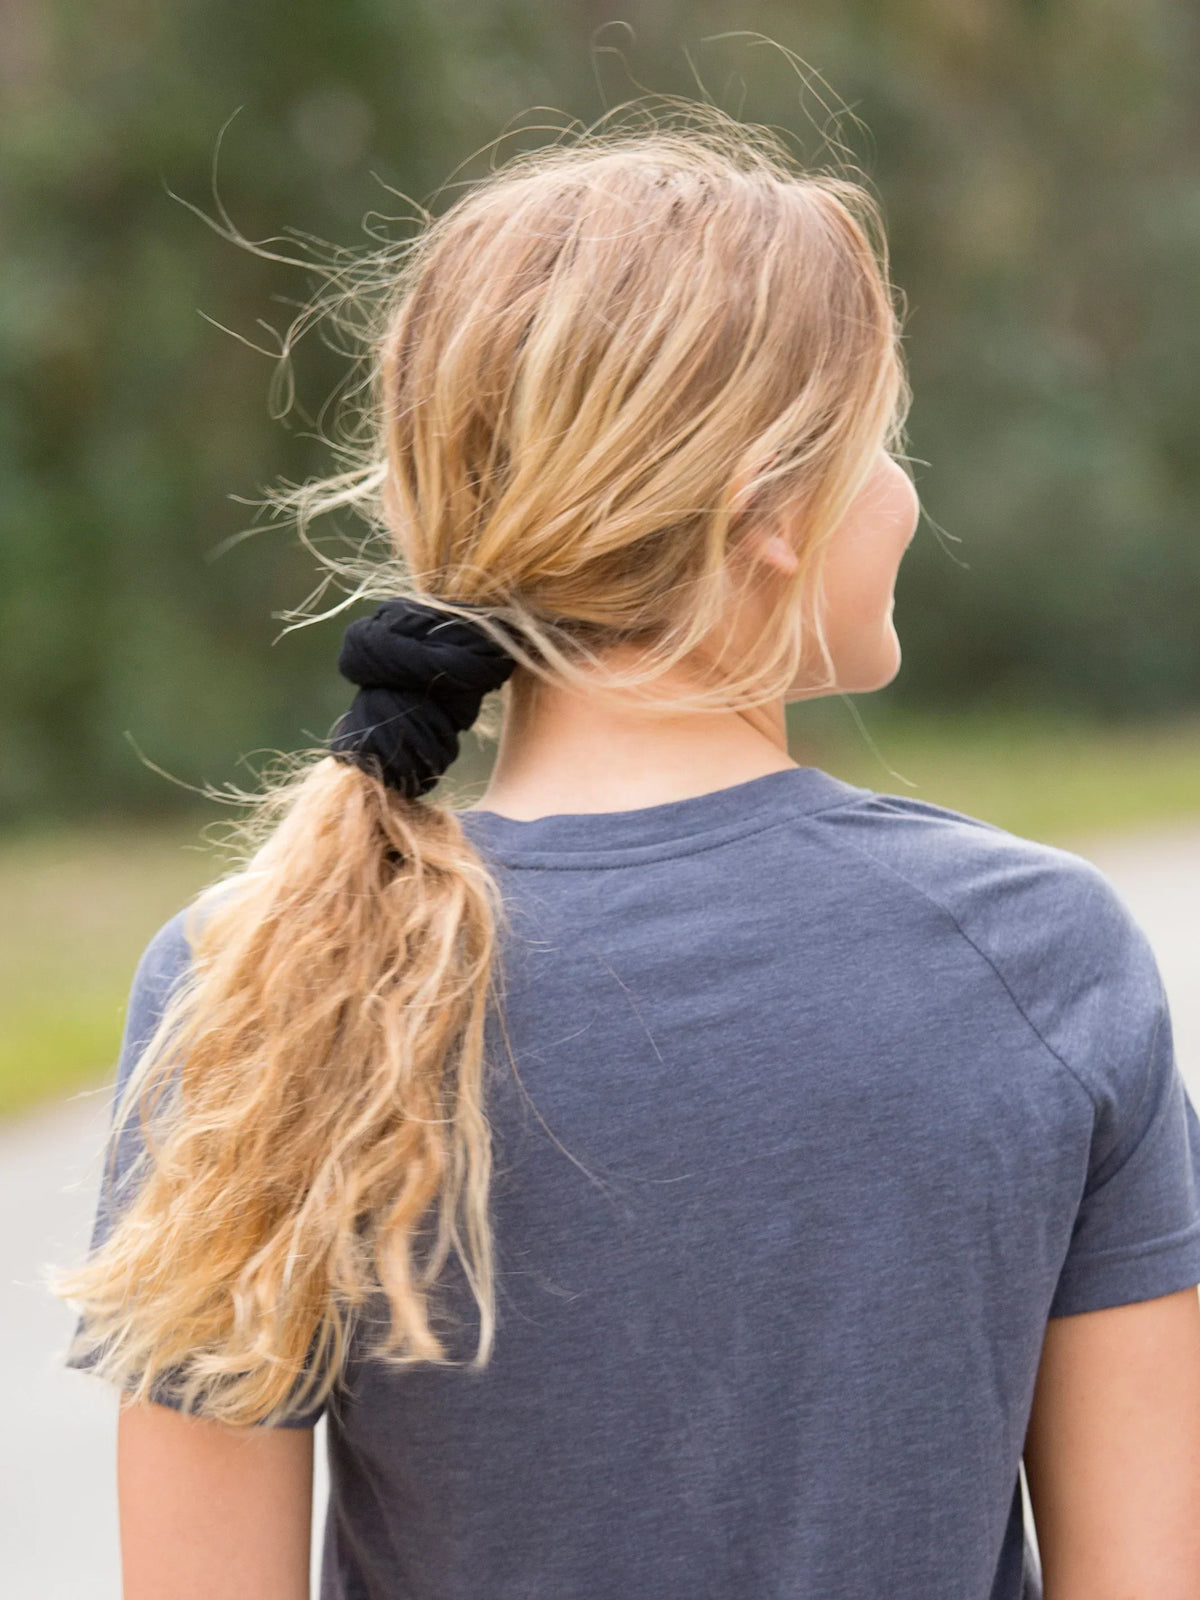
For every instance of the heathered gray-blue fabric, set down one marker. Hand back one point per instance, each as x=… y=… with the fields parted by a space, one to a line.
x=828 y=1099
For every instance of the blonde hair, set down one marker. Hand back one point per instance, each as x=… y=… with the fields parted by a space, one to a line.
x=595 y=371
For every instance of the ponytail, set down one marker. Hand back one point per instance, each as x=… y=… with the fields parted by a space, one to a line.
x=325 y=1061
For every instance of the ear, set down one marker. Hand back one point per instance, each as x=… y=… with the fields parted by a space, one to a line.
x=771 y=547
x=764 y=543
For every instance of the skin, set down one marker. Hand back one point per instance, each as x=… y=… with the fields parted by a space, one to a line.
x=1112 y=1452
x=209 y=1512
x=563 y=751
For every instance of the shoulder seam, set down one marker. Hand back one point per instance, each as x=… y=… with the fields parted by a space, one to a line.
x=917 y=888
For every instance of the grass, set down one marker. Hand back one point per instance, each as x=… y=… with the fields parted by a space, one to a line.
x=1053 y=779
x=78 y=909
x=80 y=905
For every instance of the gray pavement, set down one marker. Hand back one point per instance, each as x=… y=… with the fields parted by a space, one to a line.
x=58 y=1506
x=1158 y=876
x=58 y=1531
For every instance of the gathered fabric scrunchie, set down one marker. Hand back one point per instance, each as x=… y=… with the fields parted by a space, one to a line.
x=421 y=675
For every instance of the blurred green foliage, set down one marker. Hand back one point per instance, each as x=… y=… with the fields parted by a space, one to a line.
x=1038 y=164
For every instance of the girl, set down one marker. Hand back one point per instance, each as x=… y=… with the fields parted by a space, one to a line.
x=682 y=1173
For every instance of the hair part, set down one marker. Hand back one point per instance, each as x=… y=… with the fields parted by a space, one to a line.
x=591 y=376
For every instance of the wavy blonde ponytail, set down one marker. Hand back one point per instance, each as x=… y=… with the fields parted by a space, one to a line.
x=590 y=375
x=327 y=1055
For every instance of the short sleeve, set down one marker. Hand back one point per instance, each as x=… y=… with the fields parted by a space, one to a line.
x=1080 y=970
x=1136 y=1232
x=164 y=964
x=162 y=967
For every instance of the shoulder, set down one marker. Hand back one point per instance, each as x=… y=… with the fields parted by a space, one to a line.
x=167 y=956
x=161 y=967
x=1050 y=923
x=167 y=952
x=164 y=964
x=980 y=873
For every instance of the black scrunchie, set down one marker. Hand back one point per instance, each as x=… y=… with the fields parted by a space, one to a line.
x=422 y=675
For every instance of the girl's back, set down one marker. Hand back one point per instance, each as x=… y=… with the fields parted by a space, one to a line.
x=823 y=1102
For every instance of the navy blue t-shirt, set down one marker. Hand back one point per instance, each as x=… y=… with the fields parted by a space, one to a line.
x=824 y=1102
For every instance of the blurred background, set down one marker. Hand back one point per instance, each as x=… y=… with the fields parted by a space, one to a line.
x=1039 y=166
x=1038 y=162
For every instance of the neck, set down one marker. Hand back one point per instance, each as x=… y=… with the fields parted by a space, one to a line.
x=563 y=750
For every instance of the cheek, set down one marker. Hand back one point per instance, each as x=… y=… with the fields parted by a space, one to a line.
x=859 y=581
x=860 y=575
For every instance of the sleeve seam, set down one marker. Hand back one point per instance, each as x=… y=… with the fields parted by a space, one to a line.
x=919 y=889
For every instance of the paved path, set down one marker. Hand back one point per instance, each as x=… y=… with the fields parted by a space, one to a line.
x=58 y=1527
x=1158 y=876
x=58 y=1536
